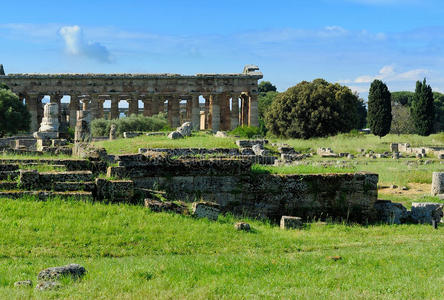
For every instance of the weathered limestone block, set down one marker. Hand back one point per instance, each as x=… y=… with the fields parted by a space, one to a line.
x=426 y=212
x=242 y=226
x=441 y=155
x=166 y=206
x=258 y=149
x=48 y=285
x=28 y=144
x=288 y=222
x=70 y=176
x=115 y=190
x=74 y=271
x=29 y=179
x=24 y=283
x=49 y=128
x=390 y=212
x=130 y=135
x=207 y=210
x=394 y=147
x=175 y=135
x=8 y=167
x=286 y=150
x=246 y=151
x=250 y=143
x=221 y=134
x=185 y=129
x=437 y=183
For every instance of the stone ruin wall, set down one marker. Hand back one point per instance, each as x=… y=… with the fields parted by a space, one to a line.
x=231 y=184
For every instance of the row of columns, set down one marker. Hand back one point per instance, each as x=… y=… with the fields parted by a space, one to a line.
x=218 y=113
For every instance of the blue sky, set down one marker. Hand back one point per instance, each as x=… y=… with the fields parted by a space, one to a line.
x=347 y=41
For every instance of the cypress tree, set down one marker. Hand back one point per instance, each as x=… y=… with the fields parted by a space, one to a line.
x=422 y=109
x=379 y=108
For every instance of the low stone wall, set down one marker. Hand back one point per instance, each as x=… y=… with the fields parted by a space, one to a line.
x=231 y=184
x=70 y=164
x=6 y=142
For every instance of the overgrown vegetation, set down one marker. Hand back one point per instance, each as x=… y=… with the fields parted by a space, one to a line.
x=101 y=127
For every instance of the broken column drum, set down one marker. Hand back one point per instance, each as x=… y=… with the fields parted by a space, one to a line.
x=437 y=183
x=49 y=128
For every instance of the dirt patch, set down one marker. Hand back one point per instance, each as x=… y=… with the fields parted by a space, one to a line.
x=414 y=189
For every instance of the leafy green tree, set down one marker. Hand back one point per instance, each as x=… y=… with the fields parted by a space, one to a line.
x=14 y=116
x=402 y=97
x=422 y=109
x=312 y=109
x=3 y=86
x=266 y=86
x=379 y=108
x=361 y=110
x=401 y=119
x=264 y=102
x=439 y=111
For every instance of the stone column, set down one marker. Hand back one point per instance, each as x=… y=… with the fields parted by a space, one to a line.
x=253 y=112
x=244 y=112
x=115 y=106
x=32 y=106
x=215 y=112
x=195 y=112
x=100 y=112
x=94 y=107
x=56 y=98
x=234 y=111
x=147 y=106
x=189 y=109
x=73 y=108
x=207 y=111
x=225 y=115
x=174 y=111
x=133 y=106
x=155 y=105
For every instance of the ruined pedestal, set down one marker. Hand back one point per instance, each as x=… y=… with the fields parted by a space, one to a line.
x=437 y=183
x=49 y=128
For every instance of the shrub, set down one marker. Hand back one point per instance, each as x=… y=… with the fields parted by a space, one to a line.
x=245 y=131
x=313 y=109
x=422 y=109
x=101 y=127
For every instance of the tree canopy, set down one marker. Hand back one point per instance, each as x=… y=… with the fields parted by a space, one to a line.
x=266 y=86
x=422 y=109
x=14 y=116
x=379 y=108
x=313 y=109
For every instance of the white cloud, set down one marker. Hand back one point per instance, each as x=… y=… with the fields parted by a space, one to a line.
x=388 y=73
x=76 y=45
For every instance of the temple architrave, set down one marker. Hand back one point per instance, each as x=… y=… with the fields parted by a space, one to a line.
x=230 y=99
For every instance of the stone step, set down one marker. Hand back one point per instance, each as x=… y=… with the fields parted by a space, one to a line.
x=8 y=185
x=69 y=176
x=44 y=195
x=87 y=186
x=9 y=175
x=8 y=167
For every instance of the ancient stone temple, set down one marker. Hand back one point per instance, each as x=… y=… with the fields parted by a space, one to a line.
x=230 y=100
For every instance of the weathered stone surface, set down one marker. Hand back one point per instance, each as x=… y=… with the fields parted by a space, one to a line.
x=288 y=222
x=112 y=132
x=185 y=129
x=242 y=226
x=437 y=183
x=426 y=212
x=207 y=210
x=115 y=190
x=49 y=128
x=250 y=143
x=48 y=285
x=390 y=212
x=130 y=135
x=286 y=150
x=29 y=179
x=82 y=133
x=175 y=135
x=74 y=271
x=394 y=147
x=166 y=206
x=326 y=152
x=246 y=151
x=221 y=134
x=24 y=283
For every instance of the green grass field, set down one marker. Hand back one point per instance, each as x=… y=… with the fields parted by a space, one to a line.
x=131 y=253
